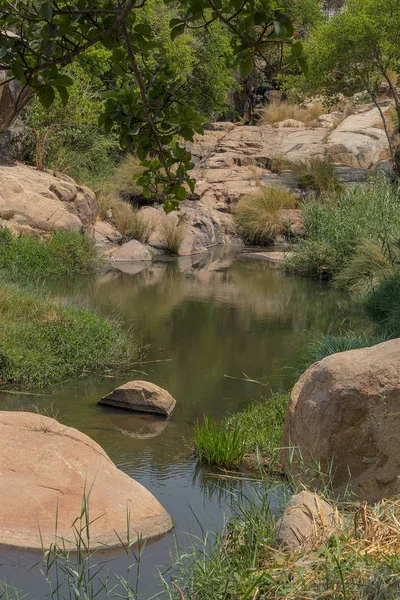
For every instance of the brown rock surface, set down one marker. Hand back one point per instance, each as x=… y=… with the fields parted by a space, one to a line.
x=141 y=396
x=307 y=521
x=131 y=251
x=44 y=201
x=45 y=467
x=346 y=409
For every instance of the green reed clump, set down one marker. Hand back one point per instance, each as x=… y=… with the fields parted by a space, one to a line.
x=64 y=254
x=42 y=343
x=216 y=445
x=327 y=344
x=341 y=224
x=261 y=423
x=383 y=305
x=317 y=174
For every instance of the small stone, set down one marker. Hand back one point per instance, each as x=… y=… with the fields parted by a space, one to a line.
x=131 y=251
x=141 y=396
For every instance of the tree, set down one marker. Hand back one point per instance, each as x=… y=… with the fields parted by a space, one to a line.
x=355 y=50
x=150 y=109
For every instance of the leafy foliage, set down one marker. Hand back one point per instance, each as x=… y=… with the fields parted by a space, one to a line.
x=148 y=108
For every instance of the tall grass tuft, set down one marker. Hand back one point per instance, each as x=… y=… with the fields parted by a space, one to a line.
x=173 y=234
x=64 y=254
x=257 y=215
x=383 y=305
x=280 y=111
x=317 y=174
x=126 y=218
x=217 y=445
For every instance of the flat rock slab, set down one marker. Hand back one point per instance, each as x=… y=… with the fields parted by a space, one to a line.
x=272 y=257
x=46 y=467
x=141 y=396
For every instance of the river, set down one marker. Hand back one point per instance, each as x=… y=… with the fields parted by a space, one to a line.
x=210 y=322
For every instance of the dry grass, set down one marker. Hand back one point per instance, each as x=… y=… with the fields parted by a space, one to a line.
x=280 y=111
x=123 y=183
x=257 y=215
x=129 y=221
x=173 y=234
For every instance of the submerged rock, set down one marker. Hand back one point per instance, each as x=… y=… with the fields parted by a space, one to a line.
x=141 y=396
x=308 y=520
x=45 y=469
x=345 y=410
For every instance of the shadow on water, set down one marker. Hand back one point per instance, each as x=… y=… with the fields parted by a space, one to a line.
x=204 y=317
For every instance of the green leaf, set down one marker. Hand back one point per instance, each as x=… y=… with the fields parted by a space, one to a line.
x=63 y=81
x=246 y=65
x=47 y=11
x=303 y=65
x=63 y=92
x=141 y=152
x=46 y=95
x=18 y=71
x=174 y=22
x=297 y=49
x=177 y=30
x=179 y=192
x=143 y=29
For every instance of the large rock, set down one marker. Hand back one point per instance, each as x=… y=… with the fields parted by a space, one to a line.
x=45 y=468
x=307 y=521
x=44 y=201
x=131 y=251
x=345 y=409
x=141 y=396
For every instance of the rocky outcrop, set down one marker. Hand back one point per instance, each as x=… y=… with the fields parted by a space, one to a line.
x=40 y=202
x=141 y=396
x=307 y=521
x=45 y=469
x=244 y=156
x=345 y=410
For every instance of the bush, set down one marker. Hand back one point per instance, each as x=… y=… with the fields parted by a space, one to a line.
x=122 y=183
x=280 y=111
x=257 y=215
x=43 y=343
x=129 y=221
x=217 y=445
x=64 y=254
x=338 y=224
x=383 y=305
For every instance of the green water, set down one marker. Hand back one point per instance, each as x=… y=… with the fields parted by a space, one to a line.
x=209 y=321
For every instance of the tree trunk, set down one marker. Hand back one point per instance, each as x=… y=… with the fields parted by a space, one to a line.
x=13 y=98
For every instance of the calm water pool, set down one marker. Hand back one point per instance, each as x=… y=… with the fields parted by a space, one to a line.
x=208 y=320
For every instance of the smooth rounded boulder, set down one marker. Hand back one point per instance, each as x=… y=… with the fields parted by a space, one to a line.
x=46 y=468
x=141 y=396
x=344 y=412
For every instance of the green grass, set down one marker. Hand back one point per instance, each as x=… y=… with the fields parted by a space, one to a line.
x=327 y=344
x=257 y=215
x=42 y=343
x=64 y=254
x=342 y=224
x=383 y=305
x=218 y=446
x=316 y=174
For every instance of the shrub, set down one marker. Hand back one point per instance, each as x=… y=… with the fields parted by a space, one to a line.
x=64 y=254
x=339 y=223
x=383 y=305
x=123 y=184
x=173 y=234
x=43 y=343
x=218 y=446
x=316 y=174
x=280 y=111
x=257 y=215
x=327 y=344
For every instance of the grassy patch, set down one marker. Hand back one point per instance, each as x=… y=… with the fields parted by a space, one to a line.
x=316 y=174
x=129 y=221
x=64 y=254
x=328 y=344
x=341 y=225
x=173 y=235
x=280 y=111
x=42 y=343
x=383 y=305
x=257 y=215
x=219 y=446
